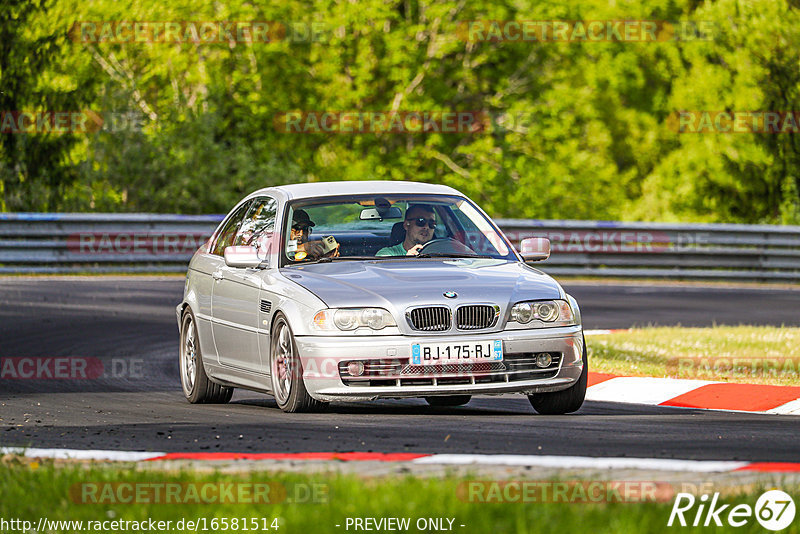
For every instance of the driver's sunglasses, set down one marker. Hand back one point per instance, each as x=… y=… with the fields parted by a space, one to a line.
x=302 y=228
x=422 y=221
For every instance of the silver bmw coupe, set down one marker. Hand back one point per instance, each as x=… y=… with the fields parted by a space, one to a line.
x=354 y=290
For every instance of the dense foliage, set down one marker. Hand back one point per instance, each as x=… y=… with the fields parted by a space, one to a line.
x=586 y=130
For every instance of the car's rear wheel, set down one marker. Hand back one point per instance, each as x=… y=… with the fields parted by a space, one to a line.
x=286 y=370
x=565 y=401
x=197 y=387
x=448 y=400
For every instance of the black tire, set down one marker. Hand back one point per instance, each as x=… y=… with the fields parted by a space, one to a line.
x=450 y=400
x=566 y=401
x=286 y=371
x=197 y=387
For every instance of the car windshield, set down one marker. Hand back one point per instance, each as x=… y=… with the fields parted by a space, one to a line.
x=390 y=226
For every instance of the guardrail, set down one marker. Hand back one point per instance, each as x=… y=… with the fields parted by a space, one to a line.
x=76 y=242
x=100 y=242
x=664 y=250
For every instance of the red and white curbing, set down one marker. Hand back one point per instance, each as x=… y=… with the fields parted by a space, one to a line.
x=552 y=462
x=699 y=394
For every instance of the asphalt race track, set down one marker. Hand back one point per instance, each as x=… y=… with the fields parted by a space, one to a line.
x=129 y=324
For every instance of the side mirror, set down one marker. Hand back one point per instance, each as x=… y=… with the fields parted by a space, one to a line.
x=535 y=248
x=242 y=256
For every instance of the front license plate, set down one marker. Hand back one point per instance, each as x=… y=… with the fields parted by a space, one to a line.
x=436 y=353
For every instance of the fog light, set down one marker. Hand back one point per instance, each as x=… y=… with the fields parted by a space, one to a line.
x=355 y=368
x=543 y=360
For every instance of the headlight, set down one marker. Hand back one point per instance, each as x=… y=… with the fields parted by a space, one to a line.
x=546 y=311
x=352 y=318
x=346 y=319
x=553 y=312
x=522 y=312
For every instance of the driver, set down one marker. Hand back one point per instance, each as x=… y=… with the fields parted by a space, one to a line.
x=419 y=224
x=305 y=249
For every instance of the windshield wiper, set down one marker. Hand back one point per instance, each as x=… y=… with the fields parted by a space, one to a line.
x=328 y=259
x=451 y=255
x=361 y=257
x=321 y=260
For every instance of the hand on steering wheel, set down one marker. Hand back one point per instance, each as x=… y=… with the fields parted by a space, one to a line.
x=414 y=251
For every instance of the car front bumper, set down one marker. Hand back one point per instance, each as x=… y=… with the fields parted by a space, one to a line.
x=321 y=356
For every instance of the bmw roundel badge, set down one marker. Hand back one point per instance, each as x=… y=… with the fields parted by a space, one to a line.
x=450 y=294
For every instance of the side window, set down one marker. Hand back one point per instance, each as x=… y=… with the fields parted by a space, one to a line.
x=228 y=231
x=260 y=220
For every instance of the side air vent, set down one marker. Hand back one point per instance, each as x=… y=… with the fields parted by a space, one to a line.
x=266 y=306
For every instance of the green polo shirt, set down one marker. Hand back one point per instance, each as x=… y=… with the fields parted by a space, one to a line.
x=397 y=250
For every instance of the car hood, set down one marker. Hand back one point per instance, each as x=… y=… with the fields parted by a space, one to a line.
x=399 y=284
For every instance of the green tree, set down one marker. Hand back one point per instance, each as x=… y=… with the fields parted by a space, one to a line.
x=750 y=65
x=579 y=130
x=35 y=170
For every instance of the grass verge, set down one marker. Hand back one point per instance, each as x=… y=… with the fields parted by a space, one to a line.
x=746 y=354
x=31 y=491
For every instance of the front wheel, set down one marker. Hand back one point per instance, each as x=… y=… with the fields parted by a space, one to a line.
x=286 y=371
x=566 y=401
x=197 y=387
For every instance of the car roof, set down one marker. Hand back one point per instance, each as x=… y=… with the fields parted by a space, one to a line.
x=355 y=187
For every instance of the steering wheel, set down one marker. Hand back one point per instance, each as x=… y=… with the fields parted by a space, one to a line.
x=446 y=245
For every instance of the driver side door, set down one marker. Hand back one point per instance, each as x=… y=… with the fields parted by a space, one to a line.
x=235 y=302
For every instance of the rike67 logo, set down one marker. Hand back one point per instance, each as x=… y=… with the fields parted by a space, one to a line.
x=774 y=510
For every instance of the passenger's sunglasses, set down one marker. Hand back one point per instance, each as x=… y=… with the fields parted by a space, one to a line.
x=422 y=221
x=302 y=228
